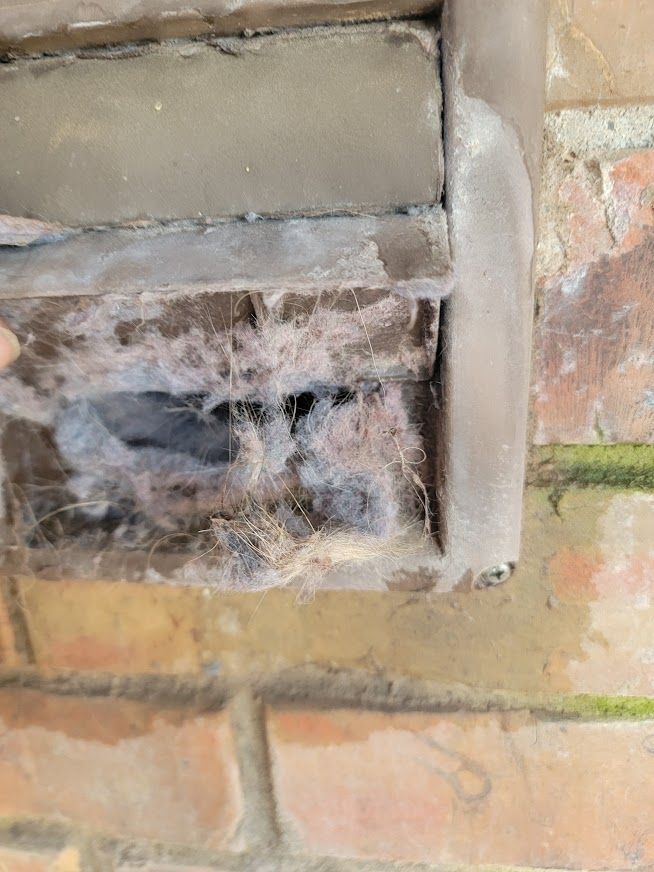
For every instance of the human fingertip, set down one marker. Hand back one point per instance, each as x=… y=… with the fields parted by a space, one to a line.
x=9 y=347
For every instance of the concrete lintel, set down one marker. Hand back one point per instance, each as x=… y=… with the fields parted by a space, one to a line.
x=405 y=254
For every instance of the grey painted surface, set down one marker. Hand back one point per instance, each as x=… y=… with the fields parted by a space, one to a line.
x=494 y=74
x=309 y=121
x=34 y=25
x=405 y=254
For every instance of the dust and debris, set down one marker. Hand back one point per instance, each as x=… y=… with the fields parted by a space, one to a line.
x=265 y=552
x=16 y=231
x=267 y=446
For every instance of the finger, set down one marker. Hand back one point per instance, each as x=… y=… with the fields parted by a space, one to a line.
x=9 y=346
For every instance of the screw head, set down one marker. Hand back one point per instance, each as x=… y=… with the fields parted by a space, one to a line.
x=495 y=575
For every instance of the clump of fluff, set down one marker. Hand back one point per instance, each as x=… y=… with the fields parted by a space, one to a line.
x=244 y=361
x=264 y=362
x=340 y=483
x=266 y=443
x=354 y=457
x=159 y=484
x=361 y=498
x=166 y=487
x=265 y=553
x=304 y=496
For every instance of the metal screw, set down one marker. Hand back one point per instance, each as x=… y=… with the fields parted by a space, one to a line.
x=494 y=575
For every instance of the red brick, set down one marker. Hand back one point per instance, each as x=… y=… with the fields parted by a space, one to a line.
x=99 y=626
x=68 y=860
x=600 y=50
x=467 y=788
x=609 y=578
x=585 y=227
x=121 y=767
x=25 y=861
x=594 y=373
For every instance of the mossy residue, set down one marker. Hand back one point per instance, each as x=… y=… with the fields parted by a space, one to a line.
x=596 y=707
x=624 y=466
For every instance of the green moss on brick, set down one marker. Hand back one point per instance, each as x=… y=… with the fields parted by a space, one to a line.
x=607 y=707
x=624 y=466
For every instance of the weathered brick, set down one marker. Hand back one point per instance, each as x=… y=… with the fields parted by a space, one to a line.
x=466 y=788
x=600 y=50
x=167 y=867
x=9 y=650
x=585 y=580
x=612 y=576
x=594 y=372
x=119 y=767
x=77 y=625
x=67 y=860
x=26 y=861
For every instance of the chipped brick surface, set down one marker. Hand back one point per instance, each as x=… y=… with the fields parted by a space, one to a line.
x=600 y=50
x=466 y=788
x=594 y=374
x=119 y=767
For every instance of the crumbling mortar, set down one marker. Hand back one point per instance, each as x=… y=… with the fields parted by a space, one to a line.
x=330 y=688
x=36 y=834
x=40 y=835
x=259 y=827
x=199 y=694
x=16 y=611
